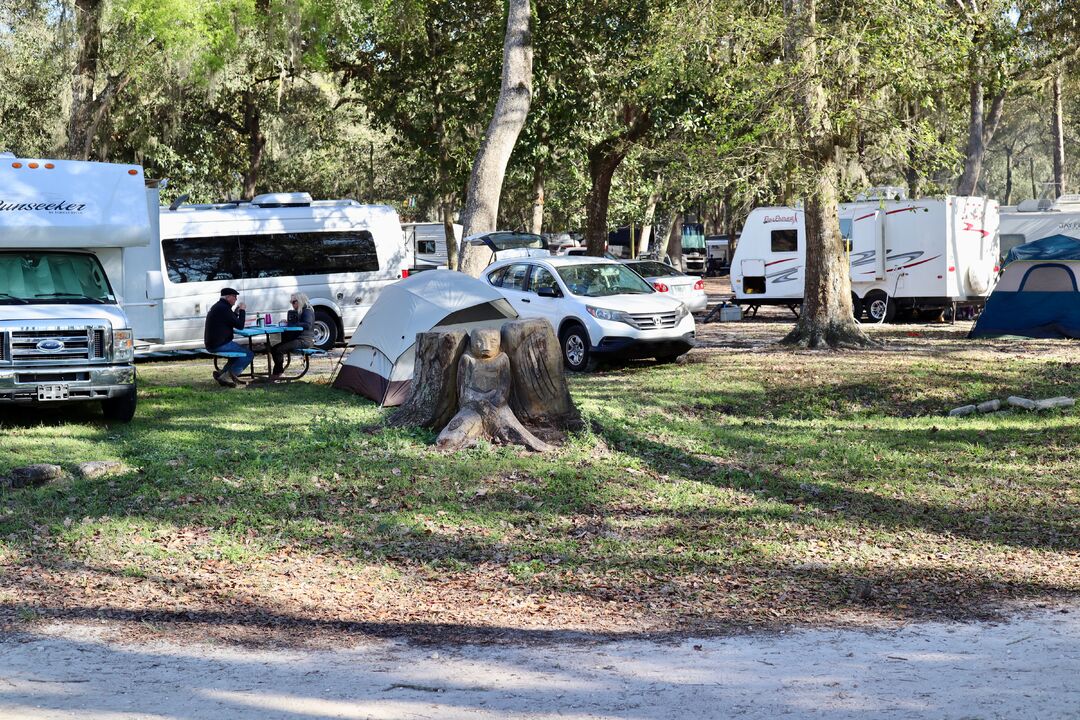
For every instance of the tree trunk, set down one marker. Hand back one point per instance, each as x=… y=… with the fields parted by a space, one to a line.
x=1008 y=176
x=911 y=172
x=981 y=125
x=486 y=181
x=827 y=318
x=1059 y=137
x=432 y=397
x=650 y=217
x=663 y=240
x=449 y=234
x=84 y=78
x=256 y=143
x=674 y=244
x=537 y=224
x=1034 y=189
x=604 y=159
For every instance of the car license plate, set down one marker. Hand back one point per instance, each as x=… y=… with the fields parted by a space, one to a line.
x=52 y=392
x=679 y=289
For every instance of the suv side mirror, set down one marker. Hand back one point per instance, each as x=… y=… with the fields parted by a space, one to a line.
x=548 y=292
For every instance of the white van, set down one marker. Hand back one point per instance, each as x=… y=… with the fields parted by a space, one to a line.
x=338 y=252
x=1034 y=220
x=904 y=255
x=74 y=241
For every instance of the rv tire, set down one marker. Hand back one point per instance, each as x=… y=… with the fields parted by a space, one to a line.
x=879 y=306
x=120 y=408
x=326 y=329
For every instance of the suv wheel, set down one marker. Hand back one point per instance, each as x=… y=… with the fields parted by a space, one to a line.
x=574 y=341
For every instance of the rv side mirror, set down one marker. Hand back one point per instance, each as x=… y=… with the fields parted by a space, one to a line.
x=548 y=292
x=155 y=285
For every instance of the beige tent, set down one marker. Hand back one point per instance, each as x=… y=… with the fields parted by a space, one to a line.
x=380 y=364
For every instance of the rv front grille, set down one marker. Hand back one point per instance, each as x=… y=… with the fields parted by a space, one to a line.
x=3 y=347
x=52 y=377
x=655 y=321
x=97 y=344
x=32 y=347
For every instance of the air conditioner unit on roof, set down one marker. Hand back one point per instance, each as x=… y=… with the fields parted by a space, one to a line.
x=298 y=199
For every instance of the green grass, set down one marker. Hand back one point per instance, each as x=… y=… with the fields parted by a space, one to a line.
x=736 y=488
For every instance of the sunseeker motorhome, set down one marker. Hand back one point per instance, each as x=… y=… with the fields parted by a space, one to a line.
x=74 y=238
x=904 y=254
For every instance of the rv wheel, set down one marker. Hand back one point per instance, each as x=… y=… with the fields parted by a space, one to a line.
x=879 y=306
x=326 y=330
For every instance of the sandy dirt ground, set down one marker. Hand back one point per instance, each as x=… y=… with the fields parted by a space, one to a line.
x=1023 y=667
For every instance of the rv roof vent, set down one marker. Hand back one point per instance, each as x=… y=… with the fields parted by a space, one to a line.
x=274 y=200
x=1069 y=199
x=1035 y=205
x=886 y=192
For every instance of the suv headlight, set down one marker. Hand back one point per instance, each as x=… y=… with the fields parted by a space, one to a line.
x=123 y=345
x=682 y=312
x=610 y=315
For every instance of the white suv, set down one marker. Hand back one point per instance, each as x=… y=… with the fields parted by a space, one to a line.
x=599 y=308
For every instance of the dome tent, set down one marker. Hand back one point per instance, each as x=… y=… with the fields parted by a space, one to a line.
x=1038 y=295
x=380 y=364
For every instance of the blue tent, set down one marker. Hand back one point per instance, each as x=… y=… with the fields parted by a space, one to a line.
x=1055 y=247
x=1037 y=298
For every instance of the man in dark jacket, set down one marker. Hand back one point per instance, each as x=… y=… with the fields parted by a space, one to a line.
x=225 y=316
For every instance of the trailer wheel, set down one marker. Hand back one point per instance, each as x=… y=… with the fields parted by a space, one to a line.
x=879 y=306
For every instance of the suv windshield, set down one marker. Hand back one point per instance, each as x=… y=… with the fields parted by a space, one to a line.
x=602 y=279
x=51 y=277
x=651 y=268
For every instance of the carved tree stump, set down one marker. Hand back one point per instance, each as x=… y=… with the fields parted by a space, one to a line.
x=433 y=395
x=539 y=394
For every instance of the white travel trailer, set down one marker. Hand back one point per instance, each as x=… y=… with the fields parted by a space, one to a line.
x=341 y=254
x=428 y=243
x=74 y=243
x=904 y=255
x=1033 y=220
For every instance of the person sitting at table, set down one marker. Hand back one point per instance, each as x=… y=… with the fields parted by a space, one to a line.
x=225 y=316
x=302 y=315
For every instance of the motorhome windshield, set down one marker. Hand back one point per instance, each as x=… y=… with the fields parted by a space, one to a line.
x=693 y=236
x=602 y=279
x=52 y=277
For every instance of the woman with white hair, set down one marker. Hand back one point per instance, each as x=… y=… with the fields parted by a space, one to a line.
x=303 y=316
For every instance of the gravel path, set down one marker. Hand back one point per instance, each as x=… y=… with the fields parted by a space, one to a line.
x=1026 y=667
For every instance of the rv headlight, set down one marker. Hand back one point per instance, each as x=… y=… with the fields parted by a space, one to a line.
x=610 y=315
x=123 y=345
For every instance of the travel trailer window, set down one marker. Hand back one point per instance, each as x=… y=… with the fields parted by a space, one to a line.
x=308 y=253
x=426 y=247
x=785 y=240
x=202 y=259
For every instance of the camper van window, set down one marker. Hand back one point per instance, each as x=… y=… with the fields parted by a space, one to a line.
x=785 y=240
x=309 y=253
x=202 y=259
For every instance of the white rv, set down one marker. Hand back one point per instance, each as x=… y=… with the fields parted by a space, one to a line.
x=341 y=254
x=1033 y=220
x=74 y=241
x=904 y=255
x=428 y=243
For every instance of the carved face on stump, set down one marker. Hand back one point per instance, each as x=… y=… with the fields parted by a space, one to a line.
x=484 y=343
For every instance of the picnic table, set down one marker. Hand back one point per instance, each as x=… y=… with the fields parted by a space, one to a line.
x=292 y=370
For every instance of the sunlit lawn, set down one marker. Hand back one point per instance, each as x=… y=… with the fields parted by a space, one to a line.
x=735 y=489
